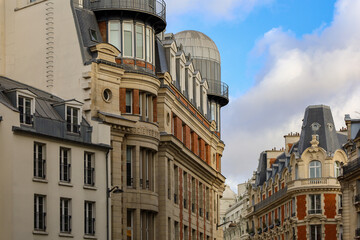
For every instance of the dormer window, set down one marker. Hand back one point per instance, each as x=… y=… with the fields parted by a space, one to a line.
x=72 y=119
x=25 y=106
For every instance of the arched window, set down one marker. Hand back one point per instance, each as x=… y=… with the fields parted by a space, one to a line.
x=296 y=172
x=315 y=169
x=336 y=169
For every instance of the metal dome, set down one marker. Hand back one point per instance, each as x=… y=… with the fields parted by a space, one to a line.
x=198 y=45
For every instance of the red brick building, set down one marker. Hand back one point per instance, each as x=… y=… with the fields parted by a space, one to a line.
x=298 y=196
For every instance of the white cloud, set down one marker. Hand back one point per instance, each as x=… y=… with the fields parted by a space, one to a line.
x=213 y=9
x=320 y=68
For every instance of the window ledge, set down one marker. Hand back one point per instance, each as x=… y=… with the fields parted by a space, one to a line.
x=40 y=180
x=90 y=187
x=89 y=237
x=65 y=184
x=37 y=232
x=68 y=235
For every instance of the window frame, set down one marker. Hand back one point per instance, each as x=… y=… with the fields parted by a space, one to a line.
x=65 y=216
x=317 y=232
x=129 y=104
x=149 y=44
x=129 y=167
x=142 y=27
x=315 y=167
x=23 y=113
x=89 y=171
x=37 y=163
x=62 y=168
x=89 y=218
x=131 y=24
x=70 y=125
x=315 y=204
x=39 y=214
x=119 y=29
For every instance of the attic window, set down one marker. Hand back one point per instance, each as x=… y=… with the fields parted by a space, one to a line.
x=93 y=35
x=25 y=106
x=72 y=119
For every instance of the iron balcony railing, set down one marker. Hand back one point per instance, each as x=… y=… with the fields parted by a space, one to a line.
x=154 y=7
x=351 y=166
x=218 y=88
x=270 y=199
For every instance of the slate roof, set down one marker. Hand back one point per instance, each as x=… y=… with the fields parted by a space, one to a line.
x=317 y=120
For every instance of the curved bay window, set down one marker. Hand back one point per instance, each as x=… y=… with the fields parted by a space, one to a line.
x=134 y=40
x=315 y=169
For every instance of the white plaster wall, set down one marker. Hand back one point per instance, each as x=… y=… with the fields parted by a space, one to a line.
x=18 y=188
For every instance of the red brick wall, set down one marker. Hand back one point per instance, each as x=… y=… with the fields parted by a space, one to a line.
x=155 y=109
x=330 y=205
x=276 y=189
x=301 y=232
x=194 y=142
x=202 y=149
x=103 y=30
x=187 y=136
x=282 y=185
x=136 y=101
x=208 y=154
x=122 y=100
x=177 y=127
x=330 y=232
x=301 y=206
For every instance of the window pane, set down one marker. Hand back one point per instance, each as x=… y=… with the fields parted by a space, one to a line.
x=114 y=34
x=139 y=42
x=128 y=40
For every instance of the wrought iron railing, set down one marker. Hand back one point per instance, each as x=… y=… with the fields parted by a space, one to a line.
x=270 y=199
x=315 y=211
x=154 y=7
x=218 y=88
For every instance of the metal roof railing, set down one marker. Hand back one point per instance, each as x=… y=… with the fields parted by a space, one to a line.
x=154 y=7
x=218 y=88
x=281 y=193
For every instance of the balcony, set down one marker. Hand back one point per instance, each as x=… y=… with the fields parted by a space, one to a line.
x=148 y=8
x=276 y=196
x=219 y=90
x=315 y=211
x=312 y=181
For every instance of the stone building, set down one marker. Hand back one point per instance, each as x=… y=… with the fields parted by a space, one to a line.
x=350 y=181
x=296 y=195
x=53 y=181
x=142 y=93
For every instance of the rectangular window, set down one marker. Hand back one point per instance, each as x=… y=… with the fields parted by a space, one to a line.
x=141 y=96
x=169 y=179
x=186 y=232
x=114 y=33
x=185 y=179
x=177 y=230
x=315 y=204
x=128 y=101
x=293 y=207
x=89 y=169
x=24 y=106
x=146 y=168
x=129 y=173
x=176 y=184
x=193 y=194
x=89 y=215
x=207 y=203
x=139 y=41
x=146 y=225
x=65 y=215
x=315 y=231
x=39 y=213
x=72 y=120
x=130 y=224
x=148 y=45
x=39 y=161
x=201 y=197
x=147 y=100
x=65 y=165
x=128 y=40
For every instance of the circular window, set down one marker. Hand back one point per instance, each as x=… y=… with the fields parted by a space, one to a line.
x=107 y=95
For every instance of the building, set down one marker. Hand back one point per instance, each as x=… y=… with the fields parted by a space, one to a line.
x=143 y=93
x=296 y=194
x=227 y=201
x=53 y=177
x=350 y=181
x=236 y=213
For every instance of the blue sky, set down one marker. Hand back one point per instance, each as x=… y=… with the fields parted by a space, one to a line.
x=237 y=36
x=278 y=57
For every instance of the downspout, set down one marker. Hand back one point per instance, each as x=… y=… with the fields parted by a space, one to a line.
x=107 y=194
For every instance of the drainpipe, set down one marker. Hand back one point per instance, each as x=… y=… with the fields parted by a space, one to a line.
x=107 y=194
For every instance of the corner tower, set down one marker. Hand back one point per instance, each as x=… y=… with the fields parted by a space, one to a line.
x=206 y=58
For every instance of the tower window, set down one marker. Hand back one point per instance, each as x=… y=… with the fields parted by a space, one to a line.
x=128 y=40
x=114 y=33
x=139 y=41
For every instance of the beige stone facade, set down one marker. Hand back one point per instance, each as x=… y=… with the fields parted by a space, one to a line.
x=141 y=94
